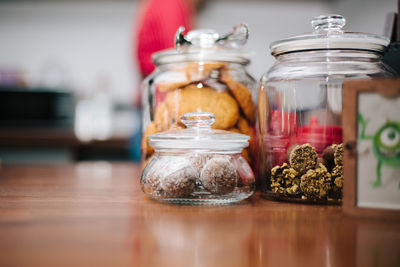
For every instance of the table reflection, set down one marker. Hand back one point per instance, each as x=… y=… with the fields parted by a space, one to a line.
x=257 y=234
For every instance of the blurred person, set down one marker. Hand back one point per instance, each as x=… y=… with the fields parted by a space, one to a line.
x=158 y=21
x=157 y=25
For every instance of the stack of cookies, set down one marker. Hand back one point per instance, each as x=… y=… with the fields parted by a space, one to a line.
x=208 y=87
x=308 y=176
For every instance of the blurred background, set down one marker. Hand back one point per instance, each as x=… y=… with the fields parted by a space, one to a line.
x=69 y=78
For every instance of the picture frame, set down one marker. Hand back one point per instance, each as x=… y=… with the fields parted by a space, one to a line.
x=371 y=133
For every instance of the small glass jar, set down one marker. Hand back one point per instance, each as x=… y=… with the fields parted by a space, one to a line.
x=198 y=165
x=300 y=108
x=206 y=72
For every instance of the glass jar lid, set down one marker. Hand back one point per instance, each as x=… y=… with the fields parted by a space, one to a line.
x=328 y=34
x=207 y=45
x=199 y=135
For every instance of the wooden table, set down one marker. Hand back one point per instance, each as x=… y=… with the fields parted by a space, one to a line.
x=94 y=214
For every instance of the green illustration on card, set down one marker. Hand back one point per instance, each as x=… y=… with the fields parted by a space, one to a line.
x=386 y=145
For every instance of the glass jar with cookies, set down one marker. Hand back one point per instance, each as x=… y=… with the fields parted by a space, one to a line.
x=300 y=109
x=198 y=164
x=204 y=73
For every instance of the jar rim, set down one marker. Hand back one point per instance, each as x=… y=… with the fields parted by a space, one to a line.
x=329 y=35
x=199 y=55
x=198 y=135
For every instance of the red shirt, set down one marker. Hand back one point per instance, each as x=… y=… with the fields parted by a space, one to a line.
x=158 y=23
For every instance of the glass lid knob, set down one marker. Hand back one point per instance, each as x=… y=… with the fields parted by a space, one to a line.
x=198 y=119
x=207 y=38
x=237 y=38
x=328 y=23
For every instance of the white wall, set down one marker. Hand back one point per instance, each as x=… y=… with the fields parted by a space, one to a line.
x=89 y=39
x=267 y=21
x=272 y=20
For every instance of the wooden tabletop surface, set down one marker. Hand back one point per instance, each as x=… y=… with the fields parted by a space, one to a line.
x=94 y=214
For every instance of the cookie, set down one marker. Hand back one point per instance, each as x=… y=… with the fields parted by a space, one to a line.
x=151 y=129
x=316 y=183
x=162 y=118
x=234 y=130
x=285 y=180
x=337 y=181
x=167 y=86
x=244 y=126
x=246 y=154
x=219 y=176
x=303 y=158
x=328 y=157
x=171 y=80
x=198 y=160
x=242 y=94
x=193 y=99
x=338 y=155
x=170 y=177
x=200 y=71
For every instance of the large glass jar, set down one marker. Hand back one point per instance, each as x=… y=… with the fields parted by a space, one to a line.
x=206 y=72
x=198 y=164
x=300 y=109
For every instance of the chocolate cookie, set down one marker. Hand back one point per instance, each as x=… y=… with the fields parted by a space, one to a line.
x=198 y=161
x=219 y=176
x=303 y=158
x=339 y=155
x=316 y=183
x=328 y=158
x=285 y=180
x=337 y=181
x=171 y=177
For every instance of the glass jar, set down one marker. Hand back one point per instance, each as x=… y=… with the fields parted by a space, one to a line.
x=206 y=72
x=300 y=109
x=198 y=164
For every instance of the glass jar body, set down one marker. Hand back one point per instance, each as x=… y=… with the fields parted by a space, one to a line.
x=300 y=116
x=222 y=88
x=198 y=177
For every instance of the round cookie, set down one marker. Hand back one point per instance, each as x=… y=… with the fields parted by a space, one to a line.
x=316 y=183
x=162 y=117
x=285 y=180
x=219 y=176
x=244 y=126
x=246 y=155
x=150 y=179
x=242 y=94
x=234 y=130
x=337 y=181
x=179 y=183
x=196 y=71
x=171 y=80
x=193 y=99
x=198 y=161
x=339 y=155
x=168 y=86
x=151 y=129
x=171 y=177
x=245 y=151
x=328 y=156
x=303 y=158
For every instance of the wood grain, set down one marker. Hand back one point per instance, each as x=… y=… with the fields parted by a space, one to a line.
x=94 y=214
